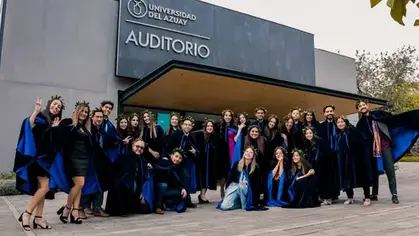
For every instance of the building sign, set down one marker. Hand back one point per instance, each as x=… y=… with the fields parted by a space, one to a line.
x=160 y=39
x=139 y=9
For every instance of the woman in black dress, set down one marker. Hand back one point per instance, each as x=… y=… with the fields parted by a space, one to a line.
x=122 y=130
x=206 y=166
x=274 y=138
x=77 y=149
x=225 y=147
x=173 y=126
x=36 y=180
x=153 y=136
x=302 y=189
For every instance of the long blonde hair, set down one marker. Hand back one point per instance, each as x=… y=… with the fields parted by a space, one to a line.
x=76 y=113
x=252 y=164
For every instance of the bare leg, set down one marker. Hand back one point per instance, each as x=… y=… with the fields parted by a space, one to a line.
x=37 y=198
x=222 y=187
x=74 y=194
x=79 y=182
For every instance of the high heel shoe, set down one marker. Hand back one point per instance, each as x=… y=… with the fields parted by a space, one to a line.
x=75 y=220
x=35 y=225
x=60 y=212
x=25 y=227
x=202 y=201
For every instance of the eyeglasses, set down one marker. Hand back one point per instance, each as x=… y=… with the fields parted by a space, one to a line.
x=140 y=147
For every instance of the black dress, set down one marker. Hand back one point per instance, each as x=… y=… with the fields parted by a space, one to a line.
x=78 y=159
x=206 y=161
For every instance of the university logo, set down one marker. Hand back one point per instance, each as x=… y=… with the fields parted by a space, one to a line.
x=137 y=8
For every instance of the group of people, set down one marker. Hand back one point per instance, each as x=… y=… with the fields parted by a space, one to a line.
x=294 y=162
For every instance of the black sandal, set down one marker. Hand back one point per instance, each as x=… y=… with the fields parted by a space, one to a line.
x=35 y=225
x=60 y=212
x=75 y=220
x=25 y=227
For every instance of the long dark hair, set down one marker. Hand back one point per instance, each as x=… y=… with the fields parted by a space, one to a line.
x=305 y=166
x=47 y=114
x=134 y=132
x=123 y=133
x=204 y=129
x=314 y=121
x=260 y=140
x=171 y=128
x=310 y=143
x=271 y=133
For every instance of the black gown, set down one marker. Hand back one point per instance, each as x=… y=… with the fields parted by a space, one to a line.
x=155 y=143
x=327 y=165
x=44 y=147
x=179 y=140
x=354 y=165
x=303 y=192
x=129 y=176
x=223 y=152
x=206 y=161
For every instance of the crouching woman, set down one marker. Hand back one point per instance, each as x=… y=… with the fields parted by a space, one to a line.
x=243 y=184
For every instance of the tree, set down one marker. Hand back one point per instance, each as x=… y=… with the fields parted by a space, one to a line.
x=390 y=76
x=387 y=75
x=398 y=9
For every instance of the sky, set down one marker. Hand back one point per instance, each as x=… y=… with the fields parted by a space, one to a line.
x=343 y=25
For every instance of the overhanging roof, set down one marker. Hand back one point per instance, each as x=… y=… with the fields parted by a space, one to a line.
x=179 y=85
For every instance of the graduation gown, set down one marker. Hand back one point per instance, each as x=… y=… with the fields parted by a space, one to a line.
x=131 y=180
x=353 y=165
x=33 y=144
x=326 y=165
x=103 y=164
x=189 y=163
x=272 y=142
x=206 y=161
x=278 y=189
x=225 y=149
x=253 y=181
x=60 y=171
x=303 y=192
x=402 y=130
x=155 y=143
x=173 y=175
x=111 y=142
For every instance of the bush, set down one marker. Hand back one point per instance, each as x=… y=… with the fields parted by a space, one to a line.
x=8 y=187
x=7 y=175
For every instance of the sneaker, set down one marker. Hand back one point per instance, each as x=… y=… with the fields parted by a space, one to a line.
x=395 y=199
x=101 y=213
x=374 y=198
x=367 y=202
x=349 y=201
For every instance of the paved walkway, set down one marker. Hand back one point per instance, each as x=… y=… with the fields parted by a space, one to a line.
x=382 y=218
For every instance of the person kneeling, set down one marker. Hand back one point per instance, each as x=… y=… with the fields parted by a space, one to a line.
x=170 y=190
x=132 y=188
x=243 y=183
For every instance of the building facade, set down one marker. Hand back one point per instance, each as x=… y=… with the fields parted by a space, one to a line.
x=104 y=49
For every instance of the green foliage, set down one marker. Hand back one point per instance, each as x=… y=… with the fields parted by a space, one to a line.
x=390 y=76
x=398 y=9
x=8 y=188
x=7 y=175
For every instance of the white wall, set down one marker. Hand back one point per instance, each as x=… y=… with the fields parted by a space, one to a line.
x=55 y=47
